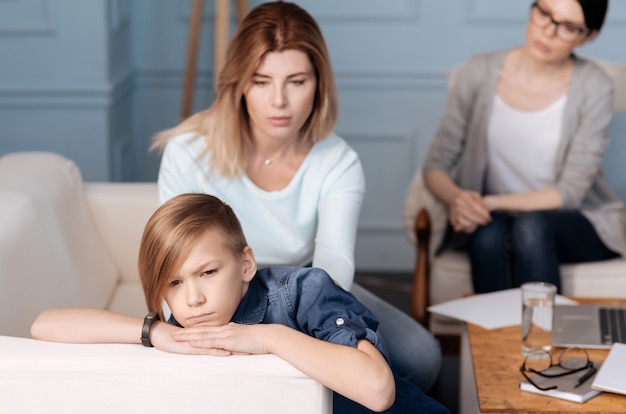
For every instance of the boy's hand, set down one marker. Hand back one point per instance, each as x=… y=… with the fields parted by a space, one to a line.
x=229 y=339
x=162 y=339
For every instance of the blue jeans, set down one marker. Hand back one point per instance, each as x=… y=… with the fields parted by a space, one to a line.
x=414 y=352
x=514 y=249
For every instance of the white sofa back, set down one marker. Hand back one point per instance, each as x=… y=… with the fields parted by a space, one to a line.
x=119 y=212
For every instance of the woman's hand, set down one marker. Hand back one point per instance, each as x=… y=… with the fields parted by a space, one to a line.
x=229 y=339
x=467 y=211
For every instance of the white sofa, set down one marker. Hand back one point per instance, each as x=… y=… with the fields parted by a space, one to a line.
x=67 y=243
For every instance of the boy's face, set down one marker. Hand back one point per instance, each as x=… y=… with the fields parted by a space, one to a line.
x=210 y=284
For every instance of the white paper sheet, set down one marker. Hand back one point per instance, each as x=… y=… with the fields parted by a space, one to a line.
x=611 y=375
x=489 y=310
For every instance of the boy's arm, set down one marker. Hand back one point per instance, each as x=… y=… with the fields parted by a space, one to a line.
x=99 y=326
x=360 y=374
x=86 y=325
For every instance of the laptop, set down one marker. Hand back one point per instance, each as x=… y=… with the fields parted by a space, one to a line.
x=588 y=326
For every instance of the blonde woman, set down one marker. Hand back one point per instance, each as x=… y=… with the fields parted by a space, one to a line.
x=267 y=148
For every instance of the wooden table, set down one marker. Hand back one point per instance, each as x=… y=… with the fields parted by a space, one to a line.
x=496 y=358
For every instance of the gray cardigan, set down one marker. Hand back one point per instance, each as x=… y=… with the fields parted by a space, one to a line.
x=460 y=143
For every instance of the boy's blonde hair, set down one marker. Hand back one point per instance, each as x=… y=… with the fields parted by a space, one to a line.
x=171 y=233
x=269 y=27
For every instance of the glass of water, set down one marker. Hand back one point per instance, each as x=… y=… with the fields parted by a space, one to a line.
x=537 y=317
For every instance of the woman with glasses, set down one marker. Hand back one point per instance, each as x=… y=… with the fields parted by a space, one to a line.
x=517 y=155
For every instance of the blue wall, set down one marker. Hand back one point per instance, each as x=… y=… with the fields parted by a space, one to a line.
x=94 y=80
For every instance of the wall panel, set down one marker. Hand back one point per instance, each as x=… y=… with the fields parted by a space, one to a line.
x=26 y=17
x=65 y=69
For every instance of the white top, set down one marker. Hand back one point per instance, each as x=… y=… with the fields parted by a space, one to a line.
x=523 y=147
x=312 y=220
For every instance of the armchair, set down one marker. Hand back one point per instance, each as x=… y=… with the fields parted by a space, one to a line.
x=444 y=277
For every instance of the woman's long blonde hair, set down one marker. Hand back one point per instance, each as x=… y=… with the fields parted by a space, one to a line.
x=269 y=27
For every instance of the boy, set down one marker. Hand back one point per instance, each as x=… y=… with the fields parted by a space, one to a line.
x=194 y=255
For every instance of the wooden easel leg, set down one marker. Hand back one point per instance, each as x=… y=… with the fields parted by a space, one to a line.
x=220 y=45
x=221 y=39
x=192 y=54
x=242 y=9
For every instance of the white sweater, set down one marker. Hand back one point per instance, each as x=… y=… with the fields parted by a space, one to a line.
x=312 y=220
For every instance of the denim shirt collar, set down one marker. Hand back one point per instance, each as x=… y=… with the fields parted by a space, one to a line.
x=253 y=306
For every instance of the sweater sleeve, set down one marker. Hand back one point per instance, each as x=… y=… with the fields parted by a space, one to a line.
x=338 y=213
x=590 y=138
x=448 y=144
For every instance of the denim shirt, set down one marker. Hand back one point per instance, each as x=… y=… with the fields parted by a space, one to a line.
x=307 y=299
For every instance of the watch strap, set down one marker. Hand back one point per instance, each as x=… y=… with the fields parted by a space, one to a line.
x=147 y=327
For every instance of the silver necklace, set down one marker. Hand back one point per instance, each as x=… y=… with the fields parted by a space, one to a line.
x=269 y=161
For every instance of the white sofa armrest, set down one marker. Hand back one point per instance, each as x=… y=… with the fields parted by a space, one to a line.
x=50 y=252
x=48 y=377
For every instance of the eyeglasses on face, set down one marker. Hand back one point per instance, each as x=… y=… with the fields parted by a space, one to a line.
x=566 y=31
x=571 y=361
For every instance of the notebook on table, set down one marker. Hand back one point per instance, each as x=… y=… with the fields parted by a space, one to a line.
x=589 y=326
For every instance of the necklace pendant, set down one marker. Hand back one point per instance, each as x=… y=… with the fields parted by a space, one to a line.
x=267 y=161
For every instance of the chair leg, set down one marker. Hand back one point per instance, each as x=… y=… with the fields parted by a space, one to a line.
x=450 y=344
x=419 y=294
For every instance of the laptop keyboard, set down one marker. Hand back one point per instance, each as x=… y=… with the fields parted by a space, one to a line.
x=613 y=325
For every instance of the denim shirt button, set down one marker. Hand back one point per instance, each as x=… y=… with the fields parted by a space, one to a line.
x=339 y=321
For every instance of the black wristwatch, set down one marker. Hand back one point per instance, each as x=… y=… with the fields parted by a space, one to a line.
x=147 y=327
